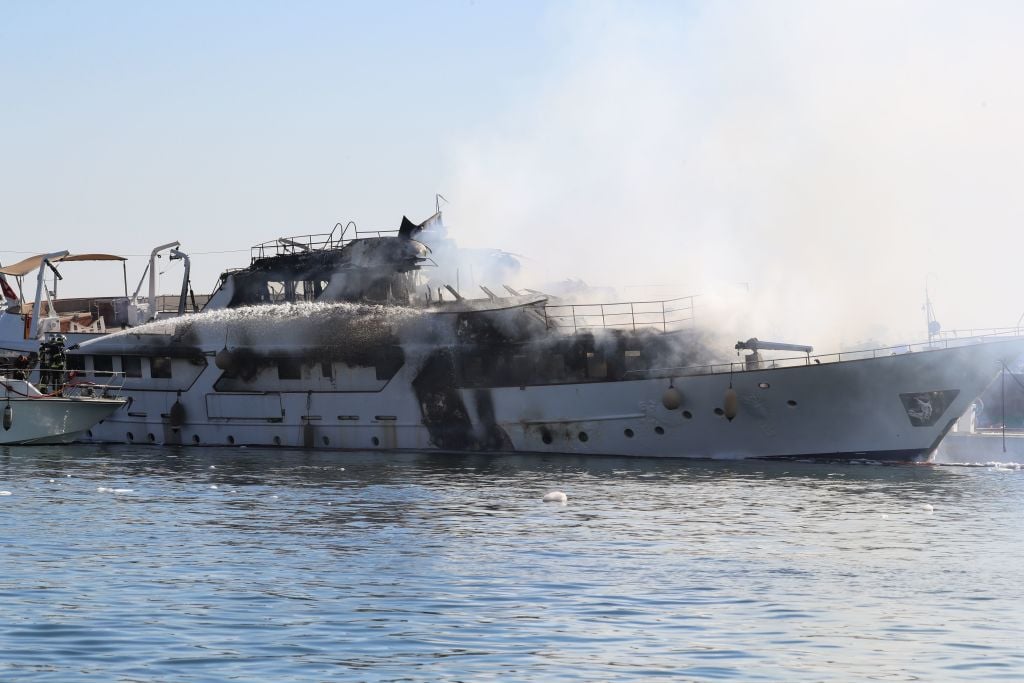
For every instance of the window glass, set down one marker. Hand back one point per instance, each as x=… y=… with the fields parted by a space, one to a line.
x=160 y=367
x=102 y=364
x=131 y=366
x=289 y=368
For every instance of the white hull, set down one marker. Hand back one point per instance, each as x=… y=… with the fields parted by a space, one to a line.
x=54 y=420
x=837 y=410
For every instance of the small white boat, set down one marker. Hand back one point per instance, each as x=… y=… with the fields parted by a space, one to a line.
x=30 y=416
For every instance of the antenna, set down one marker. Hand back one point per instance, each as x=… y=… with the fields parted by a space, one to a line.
x=929 y=313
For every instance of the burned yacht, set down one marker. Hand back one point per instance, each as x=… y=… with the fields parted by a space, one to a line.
x=341 y=341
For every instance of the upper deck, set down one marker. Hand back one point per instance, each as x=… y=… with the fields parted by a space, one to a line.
x=341 y=235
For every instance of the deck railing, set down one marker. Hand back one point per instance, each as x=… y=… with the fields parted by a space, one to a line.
x=99 y=384
x=342 y=234
x=668 y=315
x=64 y=383
x=744 y=364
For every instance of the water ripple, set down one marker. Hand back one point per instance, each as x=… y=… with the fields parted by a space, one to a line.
x=178 y=564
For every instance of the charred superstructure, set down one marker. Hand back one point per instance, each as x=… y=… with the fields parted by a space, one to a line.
x=352 y=341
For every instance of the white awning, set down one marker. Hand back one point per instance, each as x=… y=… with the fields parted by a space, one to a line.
x=32 y=263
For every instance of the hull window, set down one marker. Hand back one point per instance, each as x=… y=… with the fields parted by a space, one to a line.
x=160 y=367
x=131 y=366
x=102 y=366
x=388 y=362
x=634 y=361
x=597 y=368
x=289 y=368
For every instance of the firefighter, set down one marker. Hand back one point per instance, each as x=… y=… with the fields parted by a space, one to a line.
x=21 y=364
x=52 y=363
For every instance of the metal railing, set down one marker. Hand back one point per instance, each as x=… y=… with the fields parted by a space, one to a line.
x=667 y=315
x=63 y=383
x=971 y=333
x=339 y=236
x=745 y=365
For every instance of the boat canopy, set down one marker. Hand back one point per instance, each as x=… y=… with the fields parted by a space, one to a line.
x=32 y=263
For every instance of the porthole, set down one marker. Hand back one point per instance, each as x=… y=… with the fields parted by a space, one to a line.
x=546 y=438
x=791 y=403
x=376 y=441
x=195 y=438
x=659 y=430
x=131 y=437
x=628 y=433
x=151 y=438
x=719 y=411
x=327 y=442
x=583 y=436
x=687 y=414
x=763 y=385
x=231 y=440
x=277 y=441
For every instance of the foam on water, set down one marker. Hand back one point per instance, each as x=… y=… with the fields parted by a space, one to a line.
x=555 y=497
x=992 y=464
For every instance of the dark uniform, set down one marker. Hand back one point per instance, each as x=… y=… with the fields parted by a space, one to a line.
x=52 y=363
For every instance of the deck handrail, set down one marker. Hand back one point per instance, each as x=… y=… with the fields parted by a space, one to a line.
x=657 y=314
x=743 y=365
x=323 y=241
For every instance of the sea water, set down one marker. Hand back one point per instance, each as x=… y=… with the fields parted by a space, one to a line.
x=142 y=564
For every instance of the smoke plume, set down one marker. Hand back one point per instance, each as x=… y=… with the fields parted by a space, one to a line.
x=806 y=167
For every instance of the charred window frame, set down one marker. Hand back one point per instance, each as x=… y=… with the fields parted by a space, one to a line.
x=160 y=367
x=131 y=366
x=555 y=367
x=387 y=362
x=520 y=368
x=472 y=369
x=597 y=367
x=289 y=368
x=102 y=366
x=327 y=370
x=76 y=362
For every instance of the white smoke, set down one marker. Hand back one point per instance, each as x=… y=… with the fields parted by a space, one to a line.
x=805 y=166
